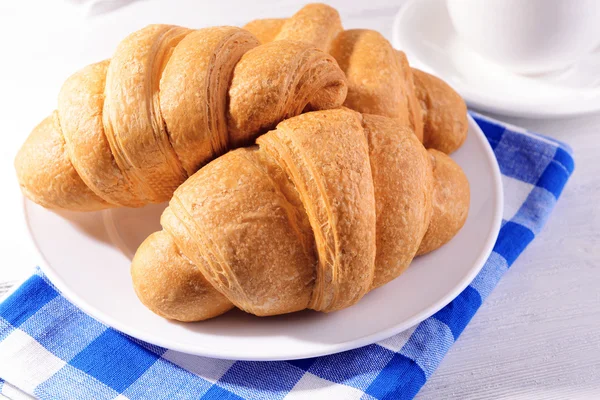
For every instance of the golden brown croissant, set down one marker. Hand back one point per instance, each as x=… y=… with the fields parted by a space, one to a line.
x=380 y=80
x=326 y=207
x=129 y=131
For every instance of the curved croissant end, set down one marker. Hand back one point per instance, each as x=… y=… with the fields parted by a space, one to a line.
x=317 y=24
x=444 y=113
x=451 y=199
x=171 y=285
x=52 y=181
x=170 y=100
x=328 y=206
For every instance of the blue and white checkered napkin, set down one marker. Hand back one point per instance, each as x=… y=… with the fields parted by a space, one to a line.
x=52 y=350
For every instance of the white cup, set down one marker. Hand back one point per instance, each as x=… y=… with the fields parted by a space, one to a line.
x=528 y=36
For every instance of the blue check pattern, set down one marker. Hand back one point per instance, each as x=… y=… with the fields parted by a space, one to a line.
x=49 y=349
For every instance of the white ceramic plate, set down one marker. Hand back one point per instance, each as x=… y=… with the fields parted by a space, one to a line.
x=87 y=256
x=423 y=30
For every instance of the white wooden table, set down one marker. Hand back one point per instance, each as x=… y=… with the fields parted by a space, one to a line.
x=537 y=335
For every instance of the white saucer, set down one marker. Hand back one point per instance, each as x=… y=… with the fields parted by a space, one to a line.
x=423 y=30
x=87 y=256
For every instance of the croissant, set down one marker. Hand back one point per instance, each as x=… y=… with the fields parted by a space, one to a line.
x=128 y=131
x=326 y=207
x=380 y=80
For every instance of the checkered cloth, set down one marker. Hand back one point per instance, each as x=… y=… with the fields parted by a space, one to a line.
x=52 y=350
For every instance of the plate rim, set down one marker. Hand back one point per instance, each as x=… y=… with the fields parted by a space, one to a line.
x=472 y=98
x=223 y=353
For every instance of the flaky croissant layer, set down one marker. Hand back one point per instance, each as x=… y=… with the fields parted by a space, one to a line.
x=128 y=131
x=380 y=81
x=326 y=207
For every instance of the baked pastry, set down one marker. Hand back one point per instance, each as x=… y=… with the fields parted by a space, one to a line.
x=326 y=207
x=128 y=131
x=380 y=80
